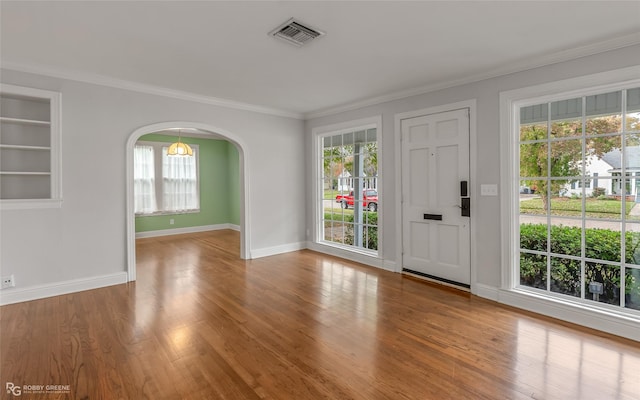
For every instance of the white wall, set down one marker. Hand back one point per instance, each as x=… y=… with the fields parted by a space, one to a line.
x=86 y=238
x=487 y=209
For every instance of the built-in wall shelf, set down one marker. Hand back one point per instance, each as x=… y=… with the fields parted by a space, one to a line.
x=24 y=173
x=29 y=148
x=20 y=147
x=21 y=121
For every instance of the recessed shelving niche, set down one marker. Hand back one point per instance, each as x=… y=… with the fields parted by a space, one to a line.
x=29 y=148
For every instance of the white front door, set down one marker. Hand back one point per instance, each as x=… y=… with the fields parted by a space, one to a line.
x=435 y=166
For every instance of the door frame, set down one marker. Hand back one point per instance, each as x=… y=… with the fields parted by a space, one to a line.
x=208 y=132
x=471 y=105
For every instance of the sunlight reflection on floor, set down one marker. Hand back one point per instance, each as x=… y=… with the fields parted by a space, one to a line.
x=561 y=364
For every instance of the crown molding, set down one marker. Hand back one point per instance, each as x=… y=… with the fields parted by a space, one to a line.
x=523 y=65
x=102 y=80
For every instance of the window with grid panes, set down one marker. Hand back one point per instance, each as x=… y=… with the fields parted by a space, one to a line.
x=580 y=231
x=348 y=188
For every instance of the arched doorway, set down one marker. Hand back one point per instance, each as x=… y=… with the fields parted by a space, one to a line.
x=205 y=131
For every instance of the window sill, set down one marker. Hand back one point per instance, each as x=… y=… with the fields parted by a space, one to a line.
x=159 y=213
x=625 y=324
x=370 y=258
x=352 y=249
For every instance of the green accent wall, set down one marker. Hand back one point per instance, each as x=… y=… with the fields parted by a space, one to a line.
x=219 y=168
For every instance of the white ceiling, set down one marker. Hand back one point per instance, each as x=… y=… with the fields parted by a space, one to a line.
x=371 y=48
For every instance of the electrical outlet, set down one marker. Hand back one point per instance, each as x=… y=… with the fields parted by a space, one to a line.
x=171 y=221
x=7 y=282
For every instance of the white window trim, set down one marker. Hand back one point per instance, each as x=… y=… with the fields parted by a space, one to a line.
x=600 y=318
x=157 y=148
x=353 y=253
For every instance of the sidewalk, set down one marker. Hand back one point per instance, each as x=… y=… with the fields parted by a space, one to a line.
x=559 y=220
x=635 y=211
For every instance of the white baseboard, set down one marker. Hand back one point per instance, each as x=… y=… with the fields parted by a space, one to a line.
x=17 y=295
x=272 y=251
x=389 y=265
x=575 y=313
x=372 y=261
x=485 y=291
x=601 y=320
x=190 y=229
x=365 y=259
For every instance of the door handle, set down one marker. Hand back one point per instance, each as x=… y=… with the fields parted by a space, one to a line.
x=465 y=208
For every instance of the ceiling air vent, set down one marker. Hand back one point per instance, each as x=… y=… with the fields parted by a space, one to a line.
x=295 y=32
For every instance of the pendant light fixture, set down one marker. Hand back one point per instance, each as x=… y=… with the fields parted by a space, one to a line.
x=179 y=148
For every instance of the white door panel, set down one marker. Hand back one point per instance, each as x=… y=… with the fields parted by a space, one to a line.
x=418 y=184
x=447 y=174
x=419 y=235
x=435 y=159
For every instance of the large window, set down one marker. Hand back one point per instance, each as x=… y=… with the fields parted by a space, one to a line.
x=579 y=205
x=165 y=184
x=348 y=188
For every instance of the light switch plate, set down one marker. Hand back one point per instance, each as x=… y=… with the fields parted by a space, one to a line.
x=489 y=189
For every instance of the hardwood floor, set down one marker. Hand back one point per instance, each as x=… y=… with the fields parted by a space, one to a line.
x=202 y=324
